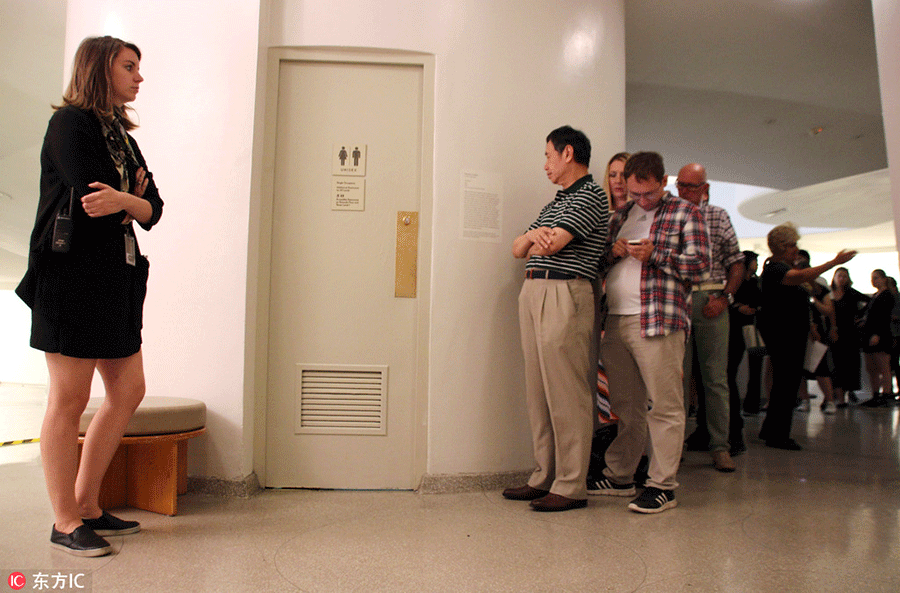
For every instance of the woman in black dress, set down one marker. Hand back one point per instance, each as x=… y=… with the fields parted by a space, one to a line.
x=784 y=324
x=878 y=341
x=742 y=314
x=86 y=294
x=849 y=306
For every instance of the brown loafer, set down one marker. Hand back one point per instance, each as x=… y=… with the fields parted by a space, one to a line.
x=525 y=492
x=554 y=502
x=723 y=461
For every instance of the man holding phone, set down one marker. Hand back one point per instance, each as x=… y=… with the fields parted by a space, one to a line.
x=657 y=246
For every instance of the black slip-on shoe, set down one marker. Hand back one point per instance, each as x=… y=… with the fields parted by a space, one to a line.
x=786 y=444
x=81 y=542
x=107 y=524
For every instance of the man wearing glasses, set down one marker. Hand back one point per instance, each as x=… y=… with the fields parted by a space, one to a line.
x=657 y=246
x=708 y=339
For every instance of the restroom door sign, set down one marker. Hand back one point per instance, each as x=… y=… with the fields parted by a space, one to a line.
x=348 y=159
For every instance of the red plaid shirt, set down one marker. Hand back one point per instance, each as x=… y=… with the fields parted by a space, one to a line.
x=679 y=259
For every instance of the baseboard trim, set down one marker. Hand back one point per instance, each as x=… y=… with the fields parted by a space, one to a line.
x=430 y=484
x=225 y=488
x=451 y=483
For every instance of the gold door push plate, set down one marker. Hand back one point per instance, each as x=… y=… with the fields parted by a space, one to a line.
x=406 y=266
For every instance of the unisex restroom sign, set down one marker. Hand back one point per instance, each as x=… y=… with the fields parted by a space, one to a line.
x=348 y=159
x=348 y=163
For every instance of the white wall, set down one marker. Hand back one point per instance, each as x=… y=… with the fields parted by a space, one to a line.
x=196 y=110
x=31 y=50
x=887 y=30
x=507 y=72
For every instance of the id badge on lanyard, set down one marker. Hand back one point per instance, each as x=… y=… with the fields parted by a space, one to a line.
x=130 y=248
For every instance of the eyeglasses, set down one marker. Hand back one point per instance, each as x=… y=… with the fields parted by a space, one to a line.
x=683 y=185
x=646 y=195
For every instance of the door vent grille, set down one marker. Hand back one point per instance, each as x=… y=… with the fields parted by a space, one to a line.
x=341 y=399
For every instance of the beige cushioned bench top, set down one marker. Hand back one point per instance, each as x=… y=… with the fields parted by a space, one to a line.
x=156 y=415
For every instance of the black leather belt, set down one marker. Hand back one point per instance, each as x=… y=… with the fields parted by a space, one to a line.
x=533 y=274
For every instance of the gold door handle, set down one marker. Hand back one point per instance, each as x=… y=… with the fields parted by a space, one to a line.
x=406 y=264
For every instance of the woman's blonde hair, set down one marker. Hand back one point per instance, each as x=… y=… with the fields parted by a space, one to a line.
x=619 y=156
x=90 y=86
x=781 y=237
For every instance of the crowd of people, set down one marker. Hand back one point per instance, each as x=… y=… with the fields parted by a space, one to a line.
x=679 y=302
x=679 y=306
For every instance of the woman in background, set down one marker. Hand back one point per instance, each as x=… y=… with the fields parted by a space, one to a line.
x=87 y=294
x=849 y=304
x=614 y=186
x=878 y=342
x=784 y=323
x=614 y=181
x=747 y=300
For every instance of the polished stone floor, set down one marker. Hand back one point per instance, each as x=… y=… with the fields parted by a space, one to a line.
x=820 y=520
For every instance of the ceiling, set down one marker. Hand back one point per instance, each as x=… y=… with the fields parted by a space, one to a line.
x=781 y=94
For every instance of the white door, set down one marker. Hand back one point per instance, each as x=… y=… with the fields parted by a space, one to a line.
x=343 y=348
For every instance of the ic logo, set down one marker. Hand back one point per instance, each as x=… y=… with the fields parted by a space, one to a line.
x=16 y=581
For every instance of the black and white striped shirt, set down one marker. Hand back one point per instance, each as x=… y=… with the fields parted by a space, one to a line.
x=583 y=210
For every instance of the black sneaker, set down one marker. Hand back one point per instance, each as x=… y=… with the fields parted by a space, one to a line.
x=606 y=487
x=653 y=500
x=81 y=542
x=786 y=444
x=107 y=524
x=878 y=400
x=738 y=447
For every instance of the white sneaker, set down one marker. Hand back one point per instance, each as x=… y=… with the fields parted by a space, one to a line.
x=829 y=408
x=804 y=406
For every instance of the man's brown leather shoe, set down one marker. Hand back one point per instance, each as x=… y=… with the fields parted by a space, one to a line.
x=555 y=502
x=525 y=492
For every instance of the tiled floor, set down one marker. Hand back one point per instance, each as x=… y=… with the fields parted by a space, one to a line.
x=820 y=520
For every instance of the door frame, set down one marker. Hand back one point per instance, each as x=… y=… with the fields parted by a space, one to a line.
x=260 y=241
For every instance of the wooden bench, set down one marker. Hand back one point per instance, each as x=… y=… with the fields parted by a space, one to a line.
x=149 y=469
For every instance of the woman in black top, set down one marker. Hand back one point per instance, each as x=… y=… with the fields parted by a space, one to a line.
x=747 y=300
x=87 y=300
x=784 y=323
x=878 y=341
x=849 y=306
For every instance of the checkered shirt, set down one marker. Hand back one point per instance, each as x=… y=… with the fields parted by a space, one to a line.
x=679 y=259
x=723 y=241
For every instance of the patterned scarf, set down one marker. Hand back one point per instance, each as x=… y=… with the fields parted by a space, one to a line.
x=121 y=152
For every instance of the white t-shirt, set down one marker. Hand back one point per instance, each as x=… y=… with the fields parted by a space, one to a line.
x=623 y=284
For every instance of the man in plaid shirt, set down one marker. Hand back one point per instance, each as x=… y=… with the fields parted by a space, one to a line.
x=706 y=357
x=656 y=248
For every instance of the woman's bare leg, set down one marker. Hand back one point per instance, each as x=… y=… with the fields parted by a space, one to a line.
x=839 y=395
x=124 y=382
x=883 y=369
x=826 y=388
x=872 y=371
x=70 y=390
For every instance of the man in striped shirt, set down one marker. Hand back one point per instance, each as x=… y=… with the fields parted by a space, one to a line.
x=656 y=248
x=556 y=317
